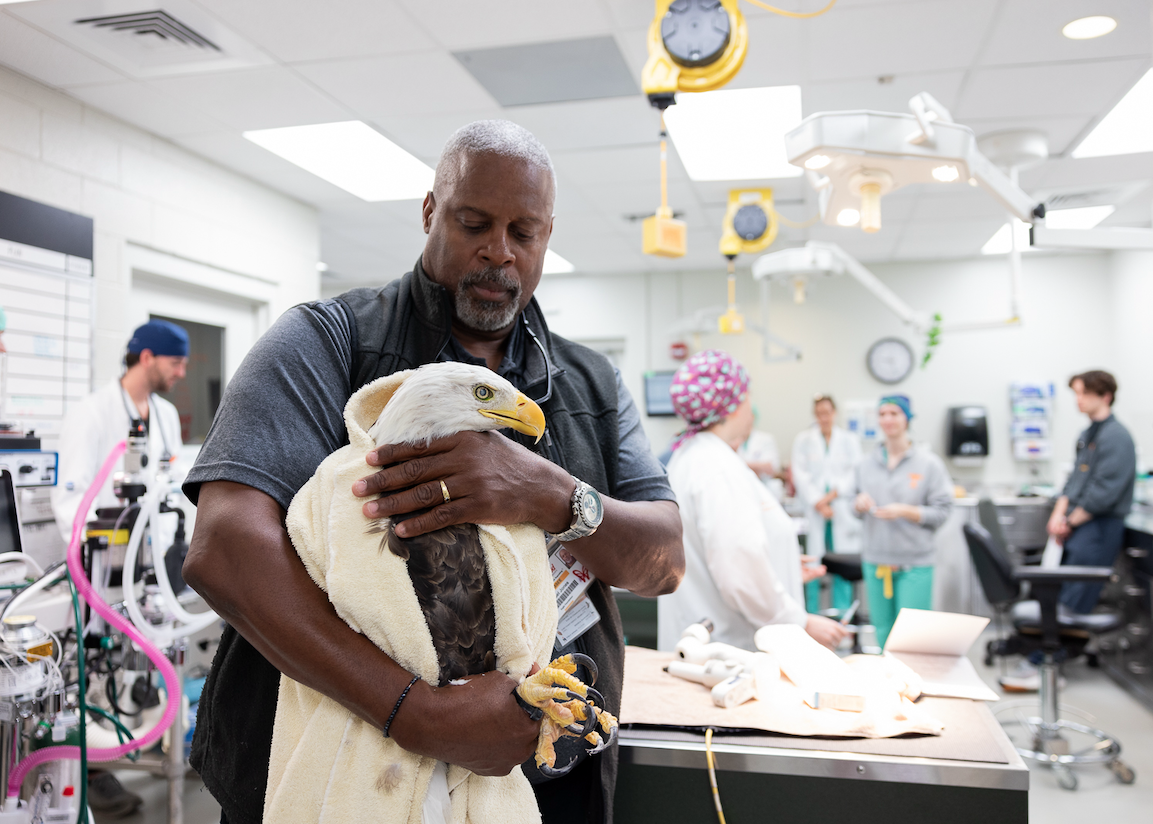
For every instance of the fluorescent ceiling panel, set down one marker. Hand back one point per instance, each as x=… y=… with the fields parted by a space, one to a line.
x=1084 y=217
x=351 y=155
x=736 y=134
x=1128 y=128
x=1001 y=243
x=585 y=69
x=554 y=264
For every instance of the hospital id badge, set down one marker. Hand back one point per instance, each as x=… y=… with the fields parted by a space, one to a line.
x=571 y=580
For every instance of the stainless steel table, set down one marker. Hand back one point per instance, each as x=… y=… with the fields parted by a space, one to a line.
x=969 y=774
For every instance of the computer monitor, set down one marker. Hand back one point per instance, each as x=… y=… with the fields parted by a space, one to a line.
x=657 y=400
x=9 y=522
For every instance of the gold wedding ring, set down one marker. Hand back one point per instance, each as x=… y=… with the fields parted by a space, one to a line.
x=444 y=492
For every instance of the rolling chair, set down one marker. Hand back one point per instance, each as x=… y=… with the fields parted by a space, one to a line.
x=1043 y=624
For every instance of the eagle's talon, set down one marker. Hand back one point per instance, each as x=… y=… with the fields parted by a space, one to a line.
x=580 y=659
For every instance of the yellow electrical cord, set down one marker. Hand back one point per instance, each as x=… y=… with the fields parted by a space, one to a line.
x=713 y=773
x=792 y=224
x=664 y=167
x=797 y=14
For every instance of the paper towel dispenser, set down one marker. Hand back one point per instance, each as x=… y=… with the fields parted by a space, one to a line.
x=968 y=432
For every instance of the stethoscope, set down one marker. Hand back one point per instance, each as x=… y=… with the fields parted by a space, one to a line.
x=134 y=413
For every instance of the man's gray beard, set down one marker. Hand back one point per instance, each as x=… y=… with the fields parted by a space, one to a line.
x=484 y=315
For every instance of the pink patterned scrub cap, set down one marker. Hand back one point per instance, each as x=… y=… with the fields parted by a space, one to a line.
x=707 y=388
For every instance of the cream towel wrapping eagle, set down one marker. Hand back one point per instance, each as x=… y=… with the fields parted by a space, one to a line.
x=328 y=766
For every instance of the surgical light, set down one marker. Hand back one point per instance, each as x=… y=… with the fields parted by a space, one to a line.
x=554 y=264
x=735 y=134
x=1128 y=128
x=848 y=217
x=1083 y=217
x=818 y=162
x=351 y=155
x=1086 y=28
x=946 y=174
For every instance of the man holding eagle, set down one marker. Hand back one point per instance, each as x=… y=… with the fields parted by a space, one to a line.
x=589 y=478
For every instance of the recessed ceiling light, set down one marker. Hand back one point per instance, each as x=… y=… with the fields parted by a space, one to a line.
x=351 y=155
x=1083 y=217
x=321 y=266
x=10 y=2
x=1087 y=28
x=1001 y=243
x=1128 y=128
x=946 y=174
x=735 y=134
x=848 y=217
x=554 y=264
x=818 y=162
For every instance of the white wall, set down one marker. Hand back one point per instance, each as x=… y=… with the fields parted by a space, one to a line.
x=144 y=192
x=1080 y=311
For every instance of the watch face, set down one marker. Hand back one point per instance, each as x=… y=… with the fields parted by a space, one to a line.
x=592 y=510
x=890 y=360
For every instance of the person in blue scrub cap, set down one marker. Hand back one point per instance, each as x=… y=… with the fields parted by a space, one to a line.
x=904 y=496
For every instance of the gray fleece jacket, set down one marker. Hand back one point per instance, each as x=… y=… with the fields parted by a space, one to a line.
x=1103 y=477
x=919 y=479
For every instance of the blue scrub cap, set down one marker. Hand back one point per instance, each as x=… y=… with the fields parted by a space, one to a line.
x=161 y=338
x=899 y=400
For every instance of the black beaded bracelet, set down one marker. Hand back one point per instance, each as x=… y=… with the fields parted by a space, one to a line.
x=388 y=723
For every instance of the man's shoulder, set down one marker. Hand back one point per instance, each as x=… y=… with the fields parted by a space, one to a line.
x=1118 y=432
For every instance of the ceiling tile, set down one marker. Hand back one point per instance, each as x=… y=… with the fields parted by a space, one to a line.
x=585 y=69
x=299 y=30
x=430 y=82
x=890 y=96
x=776 y=56
x=147 y=108
x=1029 y=31
x=869 y=41
x=1044 y=91
x=261 y=98
x=480 y=23
x=34 y=53
x=590 y=124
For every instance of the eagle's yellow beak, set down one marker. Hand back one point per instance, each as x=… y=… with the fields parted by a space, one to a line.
x=526 y=417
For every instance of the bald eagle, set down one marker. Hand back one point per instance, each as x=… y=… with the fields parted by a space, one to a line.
x=447 y=567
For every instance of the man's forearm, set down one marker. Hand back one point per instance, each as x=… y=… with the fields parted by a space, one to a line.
x=264 y=591
x=637 y=547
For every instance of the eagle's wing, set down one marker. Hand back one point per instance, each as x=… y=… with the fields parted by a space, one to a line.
x=451 y=582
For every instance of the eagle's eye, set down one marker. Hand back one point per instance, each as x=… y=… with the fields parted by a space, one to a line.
x=483 y=393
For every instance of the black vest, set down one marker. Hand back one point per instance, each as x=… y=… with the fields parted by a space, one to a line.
x=407 y=323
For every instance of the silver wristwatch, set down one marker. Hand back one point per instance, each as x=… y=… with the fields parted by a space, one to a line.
x=587 y=513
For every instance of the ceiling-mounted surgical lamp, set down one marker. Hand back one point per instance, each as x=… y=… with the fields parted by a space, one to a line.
x=853 y=159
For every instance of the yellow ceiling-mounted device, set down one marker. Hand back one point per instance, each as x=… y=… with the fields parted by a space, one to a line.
x=732 y=322
x=662 y=234
x=694 y=46
x=751 y=222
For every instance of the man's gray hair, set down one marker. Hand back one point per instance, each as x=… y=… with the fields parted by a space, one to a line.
x=498 y=137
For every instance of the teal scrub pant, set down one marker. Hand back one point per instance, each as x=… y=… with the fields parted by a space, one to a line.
x=842 y=589
x=912 y=588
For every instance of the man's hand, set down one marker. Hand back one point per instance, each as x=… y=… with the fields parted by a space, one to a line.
x=1058 y=525
x=1078 y=516
x=864 y=502
x=810 y=569
x=825 y=630
x=456 y=724
x=490 y=479
x=764 y=469
x=824 y=506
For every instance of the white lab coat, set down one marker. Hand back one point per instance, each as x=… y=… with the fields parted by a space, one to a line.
x=818 y=469
x=742 y=559
x=91 y=428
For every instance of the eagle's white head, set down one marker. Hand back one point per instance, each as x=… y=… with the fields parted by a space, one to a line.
x=441 y=399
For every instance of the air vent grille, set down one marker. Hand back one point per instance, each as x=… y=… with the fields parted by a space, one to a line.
x=155 y=23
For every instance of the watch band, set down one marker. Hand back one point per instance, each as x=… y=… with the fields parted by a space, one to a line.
x=580 y=526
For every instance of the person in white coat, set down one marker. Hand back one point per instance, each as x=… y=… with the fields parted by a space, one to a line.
x=824 y=459
x=156 y=359
x=742 y=560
